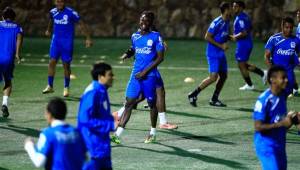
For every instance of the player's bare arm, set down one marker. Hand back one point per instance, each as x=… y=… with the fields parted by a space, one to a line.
x=209 y=37
x=157 y=61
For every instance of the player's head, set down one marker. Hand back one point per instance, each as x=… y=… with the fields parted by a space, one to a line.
x=298 y=15
x=102 y=72
x=56 y=109
x=287 y=26
x=8 y=14
x=277 y=77
x=60 y=4
x=146 y=21
x=225 y=9
x=238 y=6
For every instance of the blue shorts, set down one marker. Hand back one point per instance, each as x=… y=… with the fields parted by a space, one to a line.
x=159 y=81
x=272 y=158
x=98 y=163
x=6 y=71
x=61 y=48
x=146 y=86
x=242 y=53
x=217 y=64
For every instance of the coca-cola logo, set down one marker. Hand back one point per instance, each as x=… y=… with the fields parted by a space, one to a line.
x=285 y=52
x=144 y=50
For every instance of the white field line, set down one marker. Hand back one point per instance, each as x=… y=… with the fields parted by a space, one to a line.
x=130 y=67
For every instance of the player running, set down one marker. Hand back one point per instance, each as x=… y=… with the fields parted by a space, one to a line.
x=63 y=20
x=281 y=49
x=217 y=35
x=149 y=53
x=242 y=35
x=11 y=37
x=271 y=121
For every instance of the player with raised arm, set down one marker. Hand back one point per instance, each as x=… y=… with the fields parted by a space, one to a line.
x=63 y=20
x=216 y=36
x=11 y=37
x=149 y=52
x=271 y=121
x=281 y=49
x=60 y=146
x=242 y=35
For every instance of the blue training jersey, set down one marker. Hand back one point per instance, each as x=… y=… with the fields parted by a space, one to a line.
x=8 y=40
x=64 y=23
x=146 y=48
x=243 y=23
x=283 y=50
x=63 y=146
x=219 y=28
x=270 y=109
x=95 y=120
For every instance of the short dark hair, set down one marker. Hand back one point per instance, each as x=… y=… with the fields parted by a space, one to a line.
x=273 y=70
x=57 y=108
x=223 y=6
x=9 y=13
x=287 y=20
x=240 y=4
x=150 y=15
x=99 y=68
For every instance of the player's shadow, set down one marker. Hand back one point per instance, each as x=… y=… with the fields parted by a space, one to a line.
x=3 y=168
x=185 y=135
x=2 y=119
x=189 y=114
x=22 y=130
x=184 y=153
x=72 y=98
x=116 y=104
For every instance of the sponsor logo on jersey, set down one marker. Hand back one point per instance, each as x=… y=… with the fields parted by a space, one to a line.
x=144 y=50
x=63 y=21
x=285 y=52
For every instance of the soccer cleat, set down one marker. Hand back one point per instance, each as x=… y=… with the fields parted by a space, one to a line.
x=48 y=89
x=295 y=92
x=116 y=119
x=168 y=126
x=66 y=92
x=150 y=139
x=115 y=139
x=247 y=87
x=264 y=78
x=5 y=112
x=217 y=103
x=146 y=106
x=193 y=100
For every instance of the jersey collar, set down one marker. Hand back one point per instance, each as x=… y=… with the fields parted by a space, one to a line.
x=56 y=122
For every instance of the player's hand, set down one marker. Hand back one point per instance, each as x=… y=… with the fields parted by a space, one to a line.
x=88 y=43
x=47 y=33
x=28 y=143
x=224 y=46
x=286 y=122
x=124 y=56
x=140 y=75
x=232 y=37
x=18 y=58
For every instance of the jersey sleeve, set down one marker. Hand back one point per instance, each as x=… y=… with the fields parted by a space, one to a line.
x=239 y=26
x=259 y=111
x=270 y=44
x=19 y=30
x=213 y=27
x=44 y=144
x=75 y=16
x=160 y=44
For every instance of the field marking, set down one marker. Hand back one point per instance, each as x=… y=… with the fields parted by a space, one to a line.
x=130 y=67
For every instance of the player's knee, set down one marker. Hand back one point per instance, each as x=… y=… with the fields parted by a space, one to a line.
x=213 y=77
x=129 y=103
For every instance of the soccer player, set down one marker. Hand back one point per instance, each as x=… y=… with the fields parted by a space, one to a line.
x=60 y=146
x=271 y=121
x=242 y=35
x=11 y=36
x=63 y=20
x=217 y=35
x=281 y=49
x=95 y=121
x=160 y=93
x=149 y=53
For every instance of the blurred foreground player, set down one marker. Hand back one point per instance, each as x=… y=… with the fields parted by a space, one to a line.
x=11 y=37
x=271 y=121
x=95 y=121
x=60 y=146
